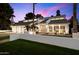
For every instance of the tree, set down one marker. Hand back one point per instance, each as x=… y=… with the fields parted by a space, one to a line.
x=75 y=22
x=58 y=13
x=39 y=16
x=6 y=12
x=29 y=16
x=71 y=25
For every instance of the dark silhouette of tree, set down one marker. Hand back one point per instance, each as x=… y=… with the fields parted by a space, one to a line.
x=29 y=16
x=5 y=14
x=58 y=13
x=39 y=16
x=75 y=21
x=71 y=25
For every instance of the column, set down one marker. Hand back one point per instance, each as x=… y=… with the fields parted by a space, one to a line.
x=59 y=29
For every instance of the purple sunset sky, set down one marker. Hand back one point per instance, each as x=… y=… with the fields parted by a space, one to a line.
x=45 y=9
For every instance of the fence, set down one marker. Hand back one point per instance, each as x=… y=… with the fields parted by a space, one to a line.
x=5 y=31
x=76 y=35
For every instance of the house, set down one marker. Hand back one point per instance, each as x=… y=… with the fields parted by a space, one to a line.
x=18 y=27
x=54 y=25
x=22 y=26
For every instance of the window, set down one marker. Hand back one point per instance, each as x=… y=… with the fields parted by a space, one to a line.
x=62 y=27
x=50 y=28
x=56 y=29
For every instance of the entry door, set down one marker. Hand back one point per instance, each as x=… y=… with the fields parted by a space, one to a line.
x=43 y=28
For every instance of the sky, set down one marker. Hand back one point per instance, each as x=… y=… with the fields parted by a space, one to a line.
x=45 y=9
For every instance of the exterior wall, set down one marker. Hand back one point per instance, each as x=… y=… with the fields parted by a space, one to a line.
x=18 y=29
x=45 y=28
x=14 y=29
x=42 y=28
x=66 y=28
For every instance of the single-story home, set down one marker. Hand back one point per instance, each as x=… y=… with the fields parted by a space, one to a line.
x=54 y=25
x=51 y=25
x=22 y=26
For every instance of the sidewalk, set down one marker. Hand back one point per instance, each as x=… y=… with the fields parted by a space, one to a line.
x=4 y=41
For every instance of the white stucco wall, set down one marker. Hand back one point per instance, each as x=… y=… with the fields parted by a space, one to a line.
x=18 y=29
x=39 y=27
x=66 y=27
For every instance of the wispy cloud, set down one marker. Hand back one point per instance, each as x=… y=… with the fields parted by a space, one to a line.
x=45 y=12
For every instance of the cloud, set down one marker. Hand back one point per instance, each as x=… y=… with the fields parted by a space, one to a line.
x=45 y=12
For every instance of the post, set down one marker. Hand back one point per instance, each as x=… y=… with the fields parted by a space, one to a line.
x=33 y=13
x=33 y=18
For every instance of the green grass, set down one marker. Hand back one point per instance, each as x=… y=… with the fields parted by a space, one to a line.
x=25 y=47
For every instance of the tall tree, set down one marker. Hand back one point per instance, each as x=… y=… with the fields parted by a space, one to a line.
x=29 y=16
x=6 y=13
x=71 y=25
x=75 y=22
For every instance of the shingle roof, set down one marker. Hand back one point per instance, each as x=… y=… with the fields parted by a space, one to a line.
x=58 y=21
x=45 y=19
x=22 y=23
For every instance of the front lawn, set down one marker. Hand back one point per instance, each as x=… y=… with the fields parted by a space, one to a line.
x=25 y=47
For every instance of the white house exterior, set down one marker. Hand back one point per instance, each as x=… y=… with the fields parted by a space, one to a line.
x=21 y=27
x=54 y=25
x=51 y=25
x=18 y=29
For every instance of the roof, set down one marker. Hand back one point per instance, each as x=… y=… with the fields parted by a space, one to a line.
x=22 y=23
x=57 y=16
x=45 y=19
x=55 y=20
x=58 y=21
